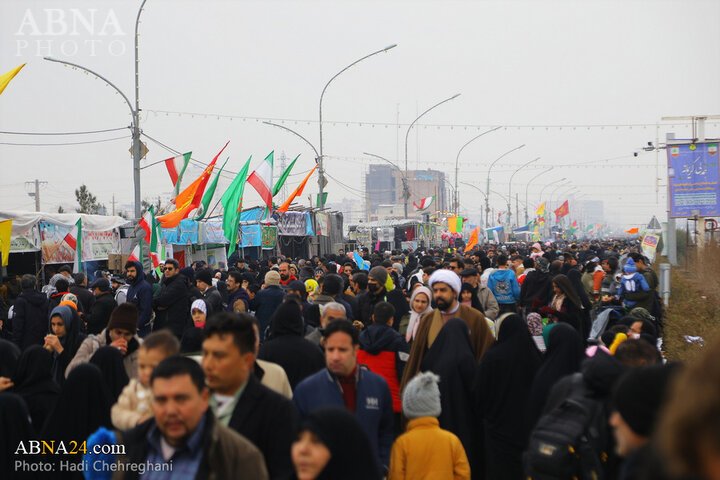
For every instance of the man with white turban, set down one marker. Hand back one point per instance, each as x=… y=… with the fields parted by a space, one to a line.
x=446 y=286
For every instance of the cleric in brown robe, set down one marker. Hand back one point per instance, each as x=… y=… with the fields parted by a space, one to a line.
x=446 y=286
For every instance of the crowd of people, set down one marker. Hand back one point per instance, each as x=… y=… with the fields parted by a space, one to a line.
x=516 y=361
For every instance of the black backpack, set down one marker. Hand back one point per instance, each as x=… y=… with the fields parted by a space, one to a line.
x=569 y=442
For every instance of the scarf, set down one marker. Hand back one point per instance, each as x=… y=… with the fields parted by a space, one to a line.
x=415 y=316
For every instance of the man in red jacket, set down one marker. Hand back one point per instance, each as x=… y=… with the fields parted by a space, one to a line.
x=384 y=351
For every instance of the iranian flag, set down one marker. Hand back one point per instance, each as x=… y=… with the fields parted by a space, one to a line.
x=135 y=255
x=148 y=225
x=74 y=239
x=424 y=204
x=261 y=180
x=176 y=167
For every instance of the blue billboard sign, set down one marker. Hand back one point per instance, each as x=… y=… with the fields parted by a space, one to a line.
x=693 y=179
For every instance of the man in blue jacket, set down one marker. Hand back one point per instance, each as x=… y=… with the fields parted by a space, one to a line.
x=139 y=294
x=345 y=384
x=504 y=285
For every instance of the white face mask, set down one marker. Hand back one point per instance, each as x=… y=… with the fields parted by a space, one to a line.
x=634 y=336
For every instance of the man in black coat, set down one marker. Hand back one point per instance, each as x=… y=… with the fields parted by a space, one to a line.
x=102 y=307
x=173 y=302
x=80 y=290
x=267 y=300
x=235 y=291
x=203 y=280
x=30 y=320
x=238 y=399
x=377 y=292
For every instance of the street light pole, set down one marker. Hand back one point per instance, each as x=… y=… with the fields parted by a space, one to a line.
x=408 y=133
x=321 y=169
x=406 y=188
x=487 y=188
x=457 y=159
x=510 y=185
x=134 y=112
x=526 y=191
x=484 y=194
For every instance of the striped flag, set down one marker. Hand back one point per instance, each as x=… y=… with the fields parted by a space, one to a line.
x=176 y=167
x=261 y=180
x=424 y=204
x=74 y=239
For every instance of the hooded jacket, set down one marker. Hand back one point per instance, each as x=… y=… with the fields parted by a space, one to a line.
x=384 y=351
x=100 y=312
x=287 y=346
x=71 y=341
x=140 y=294
x=504 y=285
x=30 y=317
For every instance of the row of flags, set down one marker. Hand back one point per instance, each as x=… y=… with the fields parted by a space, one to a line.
x=195 y=198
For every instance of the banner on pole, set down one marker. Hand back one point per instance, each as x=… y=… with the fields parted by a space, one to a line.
x=693 y=179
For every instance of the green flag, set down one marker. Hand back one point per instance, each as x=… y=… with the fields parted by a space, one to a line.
x=283 y=177
x=207 y=197
x=232 y=205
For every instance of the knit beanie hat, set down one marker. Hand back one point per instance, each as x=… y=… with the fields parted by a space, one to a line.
x=421 y=397
x=640 y=393
x=204 y=276
x=124 y=316
x=272 y=278
x=379 y=274
x=630 y=266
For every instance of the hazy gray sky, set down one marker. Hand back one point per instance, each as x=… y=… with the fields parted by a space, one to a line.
x=531 y=66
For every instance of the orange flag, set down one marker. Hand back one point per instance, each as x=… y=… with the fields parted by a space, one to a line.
x=473 y=240
x=190 y=198
x=296 y=193
x=633 y=230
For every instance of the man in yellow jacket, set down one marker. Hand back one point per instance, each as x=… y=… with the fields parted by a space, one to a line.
x=426 y=451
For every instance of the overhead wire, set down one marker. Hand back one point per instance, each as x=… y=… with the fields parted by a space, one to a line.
x=63 y=144
x=86 y=132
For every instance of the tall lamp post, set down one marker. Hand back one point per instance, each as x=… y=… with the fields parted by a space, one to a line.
x=484 y=195
x=134 y=111
x=487 y=188
x=457 y=159
x=510 y=187
x=527 y=219
x=407 y=134
x=321 y=169
x=406 y=188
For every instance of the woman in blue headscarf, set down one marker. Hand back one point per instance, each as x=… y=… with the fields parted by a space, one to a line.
x=63 y=340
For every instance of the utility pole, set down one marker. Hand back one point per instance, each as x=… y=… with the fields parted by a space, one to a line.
x=36 y=193
x=283 y=165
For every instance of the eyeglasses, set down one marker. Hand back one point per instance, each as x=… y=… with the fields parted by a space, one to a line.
x=168 y=269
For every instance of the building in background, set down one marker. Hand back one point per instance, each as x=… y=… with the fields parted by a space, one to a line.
x=384 y=192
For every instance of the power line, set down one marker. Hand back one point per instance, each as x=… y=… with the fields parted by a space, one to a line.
x=63 y=144
x=87 y=132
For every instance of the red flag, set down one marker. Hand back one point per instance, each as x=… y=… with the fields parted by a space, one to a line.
x=633 y=230
x=574 y=224
x=562 y=210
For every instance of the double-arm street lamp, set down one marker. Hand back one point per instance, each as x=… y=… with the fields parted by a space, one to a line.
x=407 y=134
x=510 y=188
x=457 y=159
x=527 y=219
x=487 y=189
x=134 y=111
x=321 y=168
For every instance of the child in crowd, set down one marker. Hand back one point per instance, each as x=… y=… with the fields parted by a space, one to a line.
x=198 y=310
x=134 y=403
x=425 y=451
x=632 y=281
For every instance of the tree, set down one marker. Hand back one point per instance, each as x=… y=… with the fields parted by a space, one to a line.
x=61 y=209
x=146 y=205
x=87 y=201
